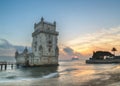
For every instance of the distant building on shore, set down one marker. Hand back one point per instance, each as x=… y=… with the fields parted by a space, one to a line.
x=45 y=50
x=103 y=57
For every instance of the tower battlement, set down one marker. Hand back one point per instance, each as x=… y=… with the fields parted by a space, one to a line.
x=42 y=23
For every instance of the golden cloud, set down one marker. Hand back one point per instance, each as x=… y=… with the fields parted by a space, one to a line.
x=104 y=40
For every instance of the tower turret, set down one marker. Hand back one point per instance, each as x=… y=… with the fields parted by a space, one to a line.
x=25 y=50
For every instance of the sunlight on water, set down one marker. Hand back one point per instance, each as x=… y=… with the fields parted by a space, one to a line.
x=69 y=72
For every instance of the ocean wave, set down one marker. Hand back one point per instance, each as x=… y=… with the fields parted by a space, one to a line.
x=51 y=75
x=68 y=70
x=11 y=77
x=71 y=69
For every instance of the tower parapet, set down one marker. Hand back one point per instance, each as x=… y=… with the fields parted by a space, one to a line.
x=42 y=23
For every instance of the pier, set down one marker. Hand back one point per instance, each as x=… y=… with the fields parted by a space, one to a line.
x=4 y=65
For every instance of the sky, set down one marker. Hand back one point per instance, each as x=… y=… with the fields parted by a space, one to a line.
x=84 y=26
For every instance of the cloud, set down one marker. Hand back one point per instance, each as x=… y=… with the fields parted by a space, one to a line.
x=104 y=39
x=8 y=49
x=67 y=53
x=5 y=44
x=68 y=50
x=84 y=45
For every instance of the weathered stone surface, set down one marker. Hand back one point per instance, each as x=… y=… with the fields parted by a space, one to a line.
x=45 y=50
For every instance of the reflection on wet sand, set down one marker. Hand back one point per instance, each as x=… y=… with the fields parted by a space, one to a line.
x=110 y=77
x=67 y=74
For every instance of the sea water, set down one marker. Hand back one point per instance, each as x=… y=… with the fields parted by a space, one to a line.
x=72 y=71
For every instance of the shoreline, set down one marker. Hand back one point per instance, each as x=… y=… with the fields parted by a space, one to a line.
x=107 y=77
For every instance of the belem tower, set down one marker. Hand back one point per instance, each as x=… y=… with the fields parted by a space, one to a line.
x=45 y=50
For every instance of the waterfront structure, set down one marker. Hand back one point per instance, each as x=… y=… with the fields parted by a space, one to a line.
x=45 y=50
x=103 y=57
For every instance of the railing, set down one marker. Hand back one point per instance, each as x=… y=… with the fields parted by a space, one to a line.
x=4 y=65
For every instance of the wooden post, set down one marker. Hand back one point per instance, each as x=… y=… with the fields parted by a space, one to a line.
x=1 y=66
x=5 y=66
x=11 y=66
x=17 y=65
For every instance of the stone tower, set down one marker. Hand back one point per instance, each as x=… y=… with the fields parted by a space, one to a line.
x=44 y=44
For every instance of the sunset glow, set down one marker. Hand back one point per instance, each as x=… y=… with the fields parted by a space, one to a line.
x=84 y=26
x=103 y=40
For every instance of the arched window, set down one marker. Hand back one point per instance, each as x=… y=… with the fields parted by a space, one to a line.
x=48 y=29
x=50 y=42
x=49 y=49
x=40 y=48
x=57 y=51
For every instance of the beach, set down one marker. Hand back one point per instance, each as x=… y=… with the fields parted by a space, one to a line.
x=110 y=77
x=71 y=73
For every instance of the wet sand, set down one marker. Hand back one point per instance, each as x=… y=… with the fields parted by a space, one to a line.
x=109 y=77
x=114 y=80
x=105 y=79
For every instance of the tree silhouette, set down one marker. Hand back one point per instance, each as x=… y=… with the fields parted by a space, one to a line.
x=114 y=50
